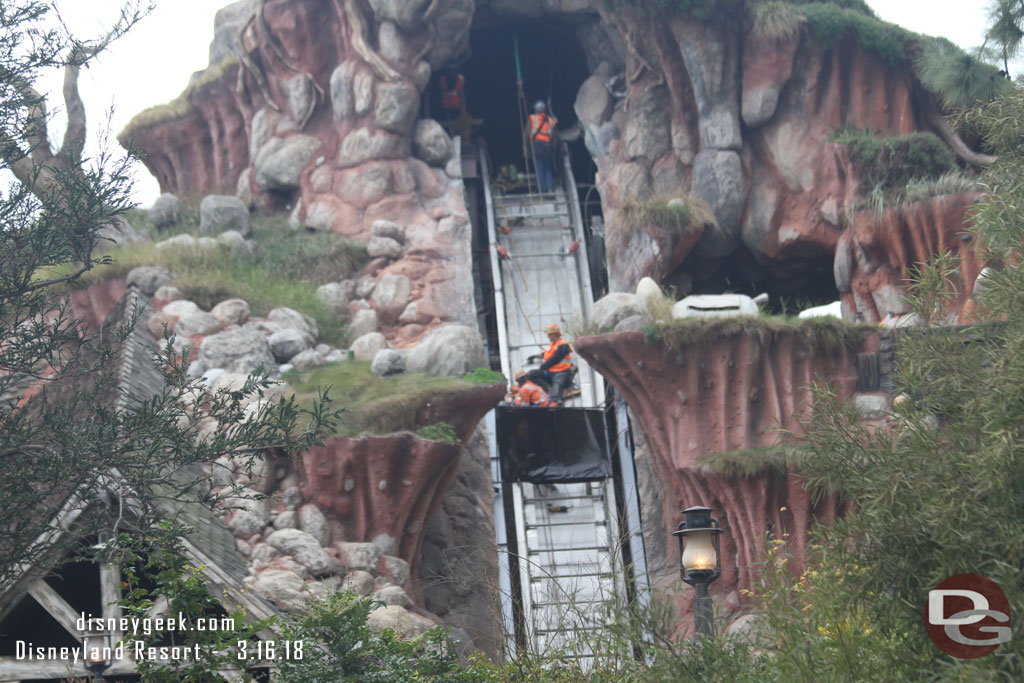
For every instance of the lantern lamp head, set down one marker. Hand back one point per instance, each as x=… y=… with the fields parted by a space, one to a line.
x=700 y=556
x=96 y=650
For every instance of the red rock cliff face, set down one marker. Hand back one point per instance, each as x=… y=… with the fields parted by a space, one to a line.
x=392 y=484
x=733 y=394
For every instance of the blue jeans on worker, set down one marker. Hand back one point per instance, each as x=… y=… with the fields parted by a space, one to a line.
x=545 y=173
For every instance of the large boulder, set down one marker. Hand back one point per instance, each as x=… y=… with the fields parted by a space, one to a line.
x=359 y=556
x=451 y=350
x=314 y=523
x=283 y=586
x=397 y=104
x=231 y=311
x=238 y=350
x=289 y=318
x=383 y=247
x=388 y=229
x=363 y=322
x=199 y=322
x=431 y=143
x=391 y=295
x=305 y=549
x=218 y=213
x=166 y=210
x=148 y=278
x=387 y=362
x=614 y=307
x=406 y=13
x=335 y=296
x=286 y=344
x=281 y=161
x=367 y=346
x=404 y=623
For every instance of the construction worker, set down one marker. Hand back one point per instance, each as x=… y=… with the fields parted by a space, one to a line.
x=526 y=393
x=542 y=141
x=556 y=366
x=453 y=97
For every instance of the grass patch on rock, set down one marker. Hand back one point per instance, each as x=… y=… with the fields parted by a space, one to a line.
x=890 y=162
x=672 y=215
x=824 y=334
x=379 y=405
x=747 y=462
x=285 y=269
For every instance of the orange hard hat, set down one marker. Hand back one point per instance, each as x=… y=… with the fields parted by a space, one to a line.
x=553 y=329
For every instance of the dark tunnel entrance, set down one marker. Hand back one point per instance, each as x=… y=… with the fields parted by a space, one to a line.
x=553 y=64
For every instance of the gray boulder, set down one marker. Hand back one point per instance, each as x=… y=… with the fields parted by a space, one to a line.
x=404 y=623
x=149 y=278
x=395 y=568
x=286 y=344
x=391 y=295
x=387 y=362
x=314 y=523
x=180 y=308
x=389 y=229
x=397 y=104
x=336 y=296
x=305 y=549
x=367 y=346
x=633 y=323
x=177 y=242
x=357 y=581
x=431 y=143
x=614 y=307
x=393 y=595
x=308 y=360
x=363 y=322
x=280 y=163
x=290 y=318
x=283 y=586
x=364 y=145
x=218 y=213
x=199 y=322
x=384 y=247
x=364 y=556
x=166 y=210
x=168 y=293
x=451 y=350
x=231 y=311
x=238 y=350
x=406 y=13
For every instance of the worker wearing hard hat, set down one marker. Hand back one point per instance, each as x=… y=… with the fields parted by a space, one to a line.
x=542 y=140
x=556 y=366
x=525 y=392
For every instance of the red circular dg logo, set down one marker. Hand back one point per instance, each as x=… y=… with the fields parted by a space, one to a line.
x=967 y=616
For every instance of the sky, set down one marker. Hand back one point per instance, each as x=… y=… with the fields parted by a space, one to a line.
x=152 y=64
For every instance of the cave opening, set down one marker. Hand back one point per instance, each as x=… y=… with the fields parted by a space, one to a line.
x=553 y=66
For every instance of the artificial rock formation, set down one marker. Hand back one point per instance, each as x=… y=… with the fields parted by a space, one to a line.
x=732 y=394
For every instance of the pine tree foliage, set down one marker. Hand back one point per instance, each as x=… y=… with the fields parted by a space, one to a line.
x=72 y=442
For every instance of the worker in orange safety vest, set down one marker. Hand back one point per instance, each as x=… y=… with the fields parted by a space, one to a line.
x=526 y=393
x=542 y=140
x=555 y=363
x=453 y=97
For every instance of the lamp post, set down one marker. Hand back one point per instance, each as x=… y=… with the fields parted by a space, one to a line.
x=700 y=561
x=97 y=653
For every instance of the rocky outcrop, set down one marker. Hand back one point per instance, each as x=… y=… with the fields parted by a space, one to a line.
x=732 y=394
x=386 y=488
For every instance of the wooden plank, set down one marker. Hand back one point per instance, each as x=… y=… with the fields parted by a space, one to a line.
x=60 y=610
x=12 y=669
x=110 y=593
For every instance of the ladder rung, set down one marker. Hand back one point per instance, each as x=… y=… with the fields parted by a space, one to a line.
x=548 y=577
x=562 y=630
x=602 y=522
x=561 y=254
x=562 y=603
x=594 y=497
x=570 y=549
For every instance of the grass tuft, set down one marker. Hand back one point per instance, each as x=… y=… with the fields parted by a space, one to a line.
x=439 y=431
x=747 y=462
x=374 y=404
x=285 y=269
x=828 y=335
x=484 y=376
x=666 y=215
x=776 y=20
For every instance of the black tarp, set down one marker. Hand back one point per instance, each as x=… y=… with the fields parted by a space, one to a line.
x=548 y=445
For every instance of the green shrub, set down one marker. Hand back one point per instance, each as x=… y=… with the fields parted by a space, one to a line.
x=960 y=79
x=831 y=24
x=439 y=431
x=665 y=214
x=484 y=376
x=891 y=162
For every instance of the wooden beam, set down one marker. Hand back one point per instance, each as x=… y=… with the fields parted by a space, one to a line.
x=60 y=610
x=12 y=669
x=110 y=593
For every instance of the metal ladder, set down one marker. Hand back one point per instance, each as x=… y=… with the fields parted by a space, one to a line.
x=567 y=538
